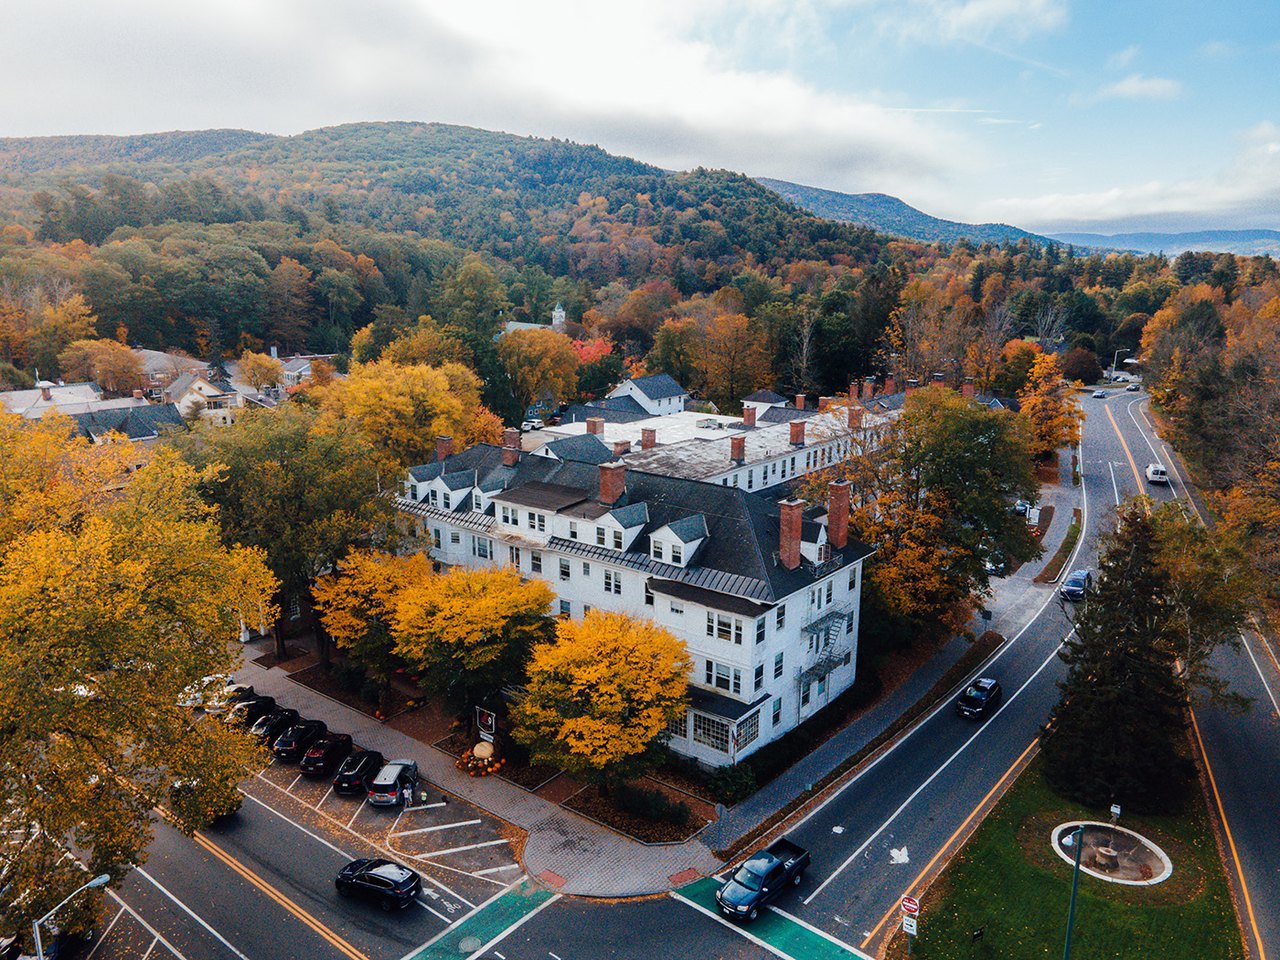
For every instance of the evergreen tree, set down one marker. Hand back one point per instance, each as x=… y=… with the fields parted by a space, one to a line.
x=1115 y=735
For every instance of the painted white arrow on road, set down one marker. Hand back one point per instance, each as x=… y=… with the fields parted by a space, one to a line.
x=899 y=855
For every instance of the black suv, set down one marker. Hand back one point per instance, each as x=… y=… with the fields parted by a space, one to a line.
x=980 y=699
x=392 y=885
x=295 y=741
x=357 y=772
x=268 y=727
x=325 y=754
x=247 y=712
x=1076 y=586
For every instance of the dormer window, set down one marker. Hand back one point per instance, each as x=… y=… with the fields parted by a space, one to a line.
x=433 y=497
x=677 y=554
x=599 y=536
x=617 y=539
x=573 y=530
x=476 y=503
x=658 y=553
x=445 y=502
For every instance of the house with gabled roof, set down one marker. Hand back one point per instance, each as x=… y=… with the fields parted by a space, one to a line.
x=657 y=395
x=764 y=593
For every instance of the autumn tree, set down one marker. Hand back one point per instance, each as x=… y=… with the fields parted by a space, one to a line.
x=601 y=695
x=60 y=325
x=1050 y=407
x=109 y=364
x=111 y=602
x=540 y=363
x=474 y=299
x=302 y=492
x=426 y=343
x=676 y=348
x=357 y=604
x=925 y=335
x=291 y=304
x=733 y=360
x=260 y=370
x=402 y=409
x=469 y=632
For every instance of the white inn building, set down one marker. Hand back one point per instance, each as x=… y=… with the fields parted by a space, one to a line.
x=764 y=593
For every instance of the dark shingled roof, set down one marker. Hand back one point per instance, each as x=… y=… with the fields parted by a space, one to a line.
x=783 y=415
x=721 y=706
x=764 y=396
x=659 y=386
x=708 y=598
x=631 y=515
x=583 y=447
x=543 y=496
x=689 y=529
x=616 y=412
x=136 y=423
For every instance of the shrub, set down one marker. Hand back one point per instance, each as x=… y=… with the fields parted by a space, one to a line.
x=650 y=804
x=370 y=691
x=732 y=783
x=349 y=675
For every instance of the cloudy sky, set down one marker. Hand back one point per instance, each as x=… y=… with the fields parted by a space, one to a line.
x=1050 y=114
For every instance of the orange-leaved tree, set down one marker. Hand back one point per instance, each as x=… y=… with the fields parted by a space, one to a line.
x=1050 y=407
x=260 y=370
x=541 y=364
x=600 y=696
x=110 y=364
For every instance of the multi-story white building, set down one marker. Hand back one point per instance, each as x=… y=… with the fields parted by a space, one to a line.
x=765 y=594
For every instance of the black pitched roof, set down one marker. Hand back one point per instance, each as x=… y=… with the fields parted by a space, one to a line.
x=659 y=386
x=783 y=415
x=136 y=423
x=583 y=447
x=764 y=396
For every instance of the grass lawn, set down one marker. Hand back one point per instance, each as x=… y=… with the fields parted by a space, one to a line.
x=1008 y=880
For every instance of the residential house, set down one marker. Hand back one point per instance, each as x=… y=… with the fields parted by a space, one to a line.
x=66 y=398
x=210 y=397
x=658 y=395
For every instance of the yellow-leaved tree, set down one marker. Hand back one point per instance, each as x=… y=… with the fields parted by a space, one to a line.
x=110 y=364
x=357 y=605
x=600 y=696
x=260 y=370
x=542 y=364
x=469 y=633
x=1049 y=405
x=116 y=592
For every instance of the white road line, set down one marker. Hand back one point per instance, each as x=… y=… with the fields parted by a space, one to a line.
x=945 y=702
x=474 y=910
x=920 y=789
x=289 y=820
x=429 y=910
x=505 y=866
x=327 y=794
x=149 y=949
x=427 y=806
x=105 y=933
x=822 y=933
x=354 y=815
x=470 y=846
x=289 y=788
x=736 y=928
x=441 y=826
x=146 y=926
x=1114 y=487
x=189 y=912
x=1258 y=667
x=514 y=927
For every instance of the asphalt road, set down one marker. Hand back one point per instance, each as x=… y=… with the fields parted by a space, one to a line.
x=260 y=888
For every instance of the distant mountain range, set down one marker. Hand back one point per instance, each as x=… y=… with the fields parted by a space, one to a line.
x=890 y=215
x=1245 y=242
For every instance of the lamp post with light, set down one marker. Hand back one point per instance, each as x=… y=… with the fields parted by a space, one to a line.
x=1077 y=838
x=1115 y=363
x=35 y=925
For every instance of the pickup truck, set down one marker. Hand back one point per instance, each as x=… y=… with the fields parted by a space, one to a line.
x=762 y=879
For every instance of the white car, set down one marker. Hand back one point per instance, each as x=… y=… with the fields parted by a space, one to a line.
x=204 y=688
x=534 y=424
x=1156 y=473
x=1099 y=394
x=220 y=700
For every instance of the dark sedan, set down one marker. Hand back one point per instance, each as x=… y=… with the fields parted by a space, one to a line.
x=1077 y=585
x=393 y=886
x=357 y=772
x=247 y=712
x=269 y=726
x=297 y=740
x=979 y=699
x=325 y=754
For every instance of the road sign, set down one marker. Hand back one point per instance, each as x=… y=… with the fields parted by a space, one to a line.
x=909 y=926
x=910 y=906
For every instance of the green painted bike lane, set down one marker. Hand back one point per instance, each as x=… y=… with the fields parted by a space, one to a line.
x=779 y=932
x=490 y=921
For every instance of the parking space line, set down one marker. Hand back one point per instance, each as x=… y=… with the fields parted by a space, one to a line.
x=146 y=926
x=189 y=912
x=354 y=815
x=427 y=806
x=505 y=866
x=439 y=826
x=437 y=913
x=314 y=836
x=290 y=787
x=105 y=933
x=470 y=846
x=327 y=793
x=149 y=949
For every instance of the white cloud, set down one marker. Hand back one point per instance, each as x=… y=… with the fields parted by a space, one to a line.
x=1217 y=50
x=1137 y=86
x=974 y=21
x=1122 y=58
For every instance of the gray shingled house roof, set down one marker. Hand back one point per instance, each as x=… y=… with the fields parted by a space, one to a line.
x=582 y=447
x=136 y=423
x=764 y=396
x=659 y=386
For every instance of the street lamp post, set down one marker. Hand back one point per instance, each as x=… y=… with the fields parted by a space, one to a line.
x=35 y=925
x=1115 y=362
x=1077 y=837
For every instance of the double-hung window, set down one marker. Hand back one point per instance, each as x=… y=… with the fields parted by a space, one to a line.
x=617 y=539
x=781 y=619
x=760 y=630
x=573 y=530
x=677 y=554
x=759 y=678
x=723 y=677
x=657 y=550
x=513 y=554
x=564 y=570
x=612 y=582
x=723 y=627
x=599 y=536
x=777 y=666
x=535 y=561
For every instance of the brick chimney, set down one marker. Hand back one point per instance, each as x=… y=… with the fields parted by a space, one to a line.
x=912 y=386
x=890 y=384
x=595 y=425
x=648 y=438
x=620 y=447
x=444 y=447
x=799 y=401
x=738 y=449
x=868 y=387
x=797 y=433
x=939 y=378
x=613 y=482
x=790 y=518
x=966 y=388
x=510 y=447
x=749 y=416
x=855 y=415
x=838 y=513
x=46 y=390
x=823 y=403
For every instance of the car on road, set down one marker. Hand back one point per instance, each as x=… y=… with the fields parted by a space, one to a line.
x=979 y=699
x=325 y=754
x=392 y=885
x=1156 y=473
x=247 y=712
x=1132 y=388
x=387 y=788
x=1076 y=586
x=357 y=772
x=269 y=726
x=762 y=878
x=1099 y=394
x=531 y=424
x=297 y=740
x=221 y=700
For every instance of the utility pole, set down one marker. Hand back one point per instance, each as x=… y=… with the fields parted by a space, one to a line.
x=1077 y=837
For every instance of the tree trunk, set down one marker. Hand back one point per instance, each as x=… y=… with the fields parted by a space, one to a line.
x=322 y=637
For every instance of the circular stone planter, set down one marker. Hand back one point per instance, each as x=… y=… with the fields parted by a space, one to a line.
x=1117 y=845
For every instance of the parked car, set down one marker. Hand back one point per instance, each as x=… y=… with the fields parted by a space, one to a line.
x=1020 y=507
x=325 y=754
x=297 y=740
x=997 y=564
x=387 y=788
x=221 y=700
x=1099 y=394
x=194 y=694
x=246 y=712
x=1132 y=388
x=762 y=878
x=357 y=772
x=1156 y=473
x=979 y=699
x=392 y=885
x=531 y=424
x=1076 y=586
x=269 y=726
